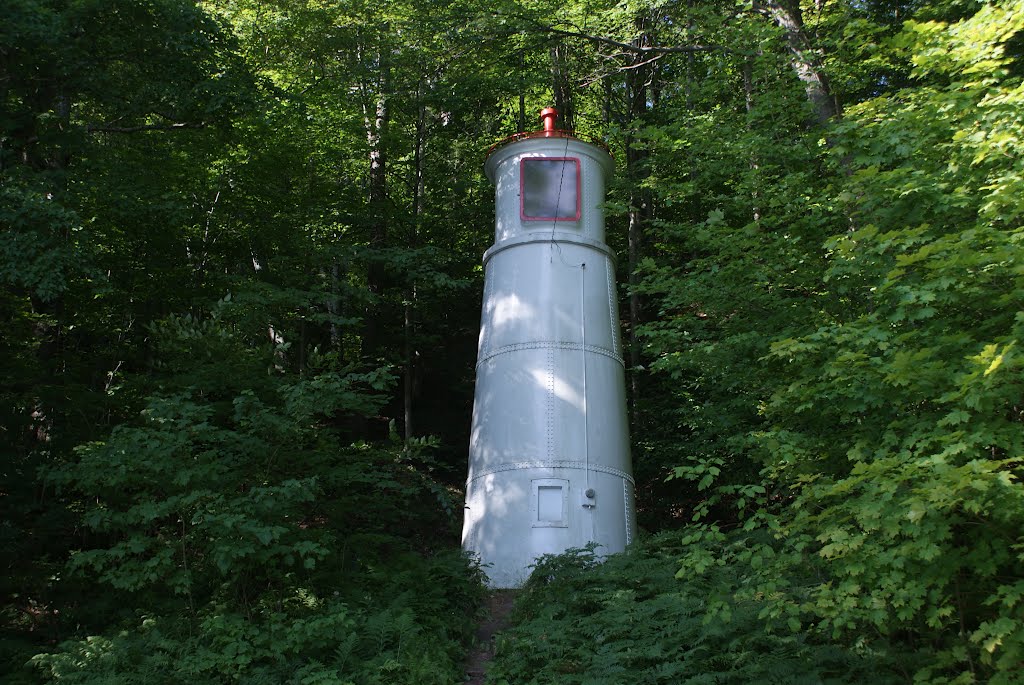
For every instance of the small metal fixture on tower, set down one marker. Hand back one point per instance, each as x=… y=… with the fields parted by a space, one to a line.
x=549 y=462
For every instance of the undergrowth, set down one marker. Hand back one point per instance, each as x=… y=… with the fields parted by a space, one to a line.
x=630 y=619
x=408 y=628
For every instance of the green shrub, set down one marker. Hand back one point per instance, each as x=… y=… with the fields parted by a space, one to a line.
x=253 y=544
x=630 y=619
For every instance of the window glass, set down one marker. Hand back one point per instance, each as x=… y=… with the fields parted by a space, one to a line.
x=550 y=189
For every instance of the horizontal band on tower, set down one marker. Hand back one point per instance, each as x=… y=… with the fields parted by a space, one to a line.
x=550 y=237
x=549 y=345
x=580 y=465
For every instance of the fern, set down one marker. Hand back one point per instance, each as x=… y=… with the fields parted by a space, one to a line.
x=631 y=620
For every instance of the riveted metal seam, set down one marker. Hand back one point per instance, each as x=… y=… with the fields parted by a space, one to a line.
x=587 y=192
x=549 y=464
x=549 y=345
x=549 y=237
x=551 y=402
x=627 y=505
x=485 y=319
x=613 y=322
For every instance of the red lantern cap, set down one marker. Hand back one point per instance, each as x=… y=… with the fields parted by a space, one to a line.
x=549 y=119
x=549 y=115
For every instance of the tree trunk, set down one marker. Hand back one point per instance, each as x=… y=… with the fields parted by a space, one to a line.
x=803 y=57
x=52 y=317
x=334 y=307
x=522 y=93
x=562 y=89
x=748 y=96
x=409 y=318
x=637 y=81
x=376 y=134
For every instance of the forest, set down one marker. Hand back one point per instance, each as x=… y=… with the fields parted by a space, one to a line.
x=240 y=281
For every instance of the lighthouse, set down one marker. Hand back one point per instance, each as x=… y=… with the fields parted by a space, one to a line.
x=549 y=460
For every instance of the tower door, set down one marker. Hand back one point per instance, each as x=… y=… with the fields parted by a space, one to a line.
x=550 y=505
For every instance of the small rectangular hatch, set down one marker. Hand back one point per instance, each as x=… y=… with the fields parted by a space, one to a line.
x=549 y=509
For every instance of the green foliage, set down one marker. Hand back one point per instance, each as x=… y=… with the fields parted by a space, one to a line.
x=406 y=631
x=900 y=424
x=203 y=462
x=253 y=545
x=828 y=337
x=42 y=248
x=735 y=261
x=630 y=619
x=838 y=327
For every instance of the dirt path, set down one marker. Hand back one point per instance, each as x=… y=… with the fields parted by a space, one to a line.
x=499 y=604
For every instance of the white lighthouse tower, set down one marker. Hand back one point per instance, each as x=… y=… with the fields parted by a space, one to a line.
x=549 y=462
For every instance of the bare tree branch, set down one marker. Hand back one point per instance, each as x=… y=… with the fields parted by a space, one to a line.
x=641 y=49
x=145 y=127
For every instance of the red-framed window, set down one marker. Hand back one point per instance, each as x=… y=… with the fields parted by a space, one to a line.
x=549 y=189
